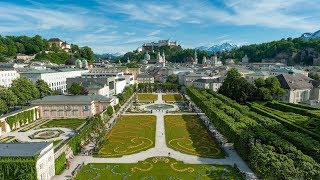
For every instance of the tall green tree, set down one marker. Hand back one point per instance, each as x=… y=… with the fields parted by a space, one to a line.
x=109 y=110
x=87 y=53
x=3 y=107
x=236 y=87
x=43 y=88
x=173 y=78
x=268 y=89
x=75 y=89
x=8 y=97
x=24 y=89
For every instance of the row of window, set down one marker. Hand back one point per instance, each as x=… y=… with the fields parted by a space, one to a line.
x=85 y=107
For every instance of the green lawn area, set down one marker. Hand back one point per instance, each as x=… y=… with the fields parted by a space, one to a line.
x=147 y=97
x=172 y=97
x=67 y=123
x=157 y=168
x=187 y=134
x=56 y=142
x=131 y=134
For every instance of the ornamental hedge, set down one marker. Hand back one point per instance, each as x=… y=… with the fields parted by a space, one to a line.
x=21 y=117
x=60 y=163
x=267 y=153
x=18 y=168
x=301 y=138
x=294 y=109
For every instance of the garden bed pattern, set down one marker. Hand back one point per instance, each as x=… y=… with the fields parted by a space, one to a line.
x=131 y=134
x=187 y=134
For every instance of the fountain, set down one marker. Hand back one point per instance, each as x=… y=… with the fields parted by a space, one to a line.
x=160 y=107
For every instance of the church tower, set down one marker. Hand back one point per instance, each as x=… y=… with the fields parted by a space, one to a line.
x=195 y=59
x=204 y=60
x=159 y=58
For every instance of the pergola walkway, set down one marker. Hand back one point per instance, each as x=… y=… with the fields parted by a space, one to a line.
x=161 y=149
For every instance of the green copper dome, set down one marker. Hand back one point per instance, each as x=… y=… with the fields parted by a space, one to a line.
x=147 y=56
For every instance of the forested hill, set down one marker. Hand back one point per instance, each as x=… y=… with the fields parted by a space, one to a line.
x=10 y=46
x=294 y=51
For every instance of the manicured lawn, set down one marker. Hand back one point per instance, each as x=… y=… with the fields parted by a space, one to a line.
x=157 y=168
x=131 y=134
x=67 y=123
x=147 y=97
x=172 y=97
x=187 y=134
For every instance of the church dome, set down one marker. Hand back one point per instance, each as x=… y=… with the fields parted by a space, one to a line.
x=147 y=56
x=78 y=61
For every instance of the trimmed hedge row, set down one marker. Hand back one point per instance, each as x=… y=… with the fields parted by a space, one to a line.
x=60 y=163
x=301 y=106
x=270 y=156
x=18 y=168
x=301 y=139
x=297 y=110
x=288 y=124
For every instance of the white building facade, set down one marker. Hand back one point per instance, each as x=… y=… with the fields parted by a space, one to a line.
x=56 y=79
x=7 y=76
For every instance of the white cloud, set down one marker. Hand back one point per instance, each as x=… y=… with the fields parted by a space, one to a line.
x=266 y=13
x=16 y=18
x=129 y=33
x=153 y=33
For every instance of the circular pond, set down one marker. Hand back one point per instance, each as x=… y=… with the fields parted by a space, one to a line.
x=160 y=107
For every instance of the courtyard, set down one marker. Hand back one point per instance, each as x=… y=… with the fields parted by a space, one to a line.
x=161 y=143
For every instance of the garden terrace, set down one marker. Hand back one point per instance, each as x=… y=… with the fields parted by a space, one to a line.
x=187 y=134
x=147 y=97
x=157 y=168
x=131 y=134
x=269 y=153
x=67 y=123
x=172 y=97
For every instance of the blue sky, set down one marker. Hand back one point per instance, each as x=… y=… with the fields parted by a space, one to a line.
x=121 y=26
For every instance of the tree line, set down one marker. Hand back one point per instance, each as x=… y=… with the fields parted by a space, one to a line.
x=21 y=92
x=10 y=46
x=295 y=51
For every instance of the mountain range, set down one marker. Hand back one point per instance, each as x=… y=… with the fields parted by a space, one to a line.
x=107 y=55
x=311 y=35
x=218 y=47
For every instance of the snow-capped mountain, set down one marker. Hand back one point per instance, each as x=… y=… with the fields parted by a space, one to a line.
x=218 y=48
x=311 y=35
x=106 y=55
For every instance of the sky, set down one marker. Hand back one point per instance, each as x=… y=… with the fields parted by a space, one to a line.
x=109 y=26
